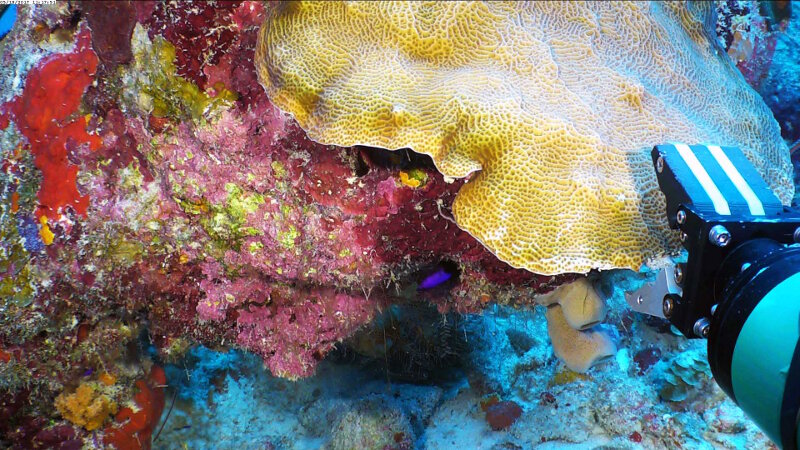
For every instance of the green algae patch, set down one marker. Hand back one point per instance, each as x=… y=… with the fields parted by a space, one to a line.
x=255 y=247
x=240 y=204
x=130 y=177
x=151 y=84
x=287 y=238
x=227 y=223
x=18 y=289
x=124 y=252
x=278 y=170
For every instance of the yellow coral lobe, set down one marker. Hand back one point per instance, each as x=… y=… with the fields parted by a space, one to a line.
x=555 y=105
x=44 y=231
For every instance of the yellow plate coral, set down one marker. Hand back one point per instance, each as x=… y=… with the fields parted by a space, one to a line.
x=555 y=105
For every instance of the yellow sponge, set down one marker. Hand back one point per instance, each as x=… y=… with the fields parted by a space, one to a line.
x=555 y=105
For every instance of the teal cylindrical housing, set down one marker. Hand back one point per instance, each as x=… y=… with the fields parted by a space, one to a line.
x=754 y=342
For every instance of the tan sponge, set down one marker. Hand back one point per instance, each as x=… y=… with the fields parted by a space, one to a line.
x=581 y=306
x=579 y=350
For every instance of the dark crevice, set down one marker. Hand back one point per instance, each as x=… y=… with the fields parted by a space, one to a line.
x=378 y=158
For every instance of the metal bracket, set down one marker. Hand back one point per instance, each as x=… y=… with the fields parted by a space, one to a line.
x=649 y=299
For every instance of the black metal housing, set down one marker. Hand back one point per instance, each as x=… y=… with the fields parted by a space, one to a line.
x=705 y=258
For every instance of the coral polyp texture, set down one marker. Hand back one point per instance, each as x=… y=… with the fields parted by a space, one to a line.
x=548 y=108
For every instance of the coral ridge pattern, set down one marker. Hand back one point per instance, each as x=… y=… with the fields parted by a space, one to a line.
x=550 y=109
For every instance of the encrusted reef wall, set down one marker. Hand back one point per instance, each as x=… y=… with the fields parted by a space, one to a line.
x=762 y=39
x=152 y=198
x=152 y=195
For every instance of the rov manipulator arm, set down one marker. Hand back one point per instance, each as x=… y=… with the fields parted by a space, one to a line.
x=740 y=286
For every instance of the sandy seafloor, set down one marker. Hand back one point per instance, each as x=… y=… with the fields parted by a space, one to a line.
x=227 y=400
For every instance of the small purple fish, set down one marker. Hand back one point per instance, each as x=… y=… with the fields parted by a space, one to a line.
x=435 y=279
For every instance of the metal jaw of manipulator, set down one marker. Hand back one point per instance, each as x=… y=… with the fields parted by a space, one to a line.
x=740 y=285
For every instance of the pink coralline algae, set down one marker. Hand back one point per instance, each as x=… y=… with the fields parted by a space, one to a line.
x=197 y=223
x=203 y=33
x=175 y=195
x=294 y=337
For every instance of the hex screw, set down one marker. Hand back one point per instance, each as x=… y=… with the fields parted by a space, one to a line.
x=660 y=164
x=684 y=236
x=702 y=327
x=796 y=235
x=678 y=274
x=719 y=236
x=667 y=307
x=681 y=216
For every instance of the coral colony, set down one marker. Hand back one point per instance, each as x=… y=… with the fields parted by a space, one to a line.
x=244 y=224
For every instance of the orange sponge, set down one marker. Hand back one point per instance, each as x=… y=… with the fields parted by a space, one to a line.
x=86 y=407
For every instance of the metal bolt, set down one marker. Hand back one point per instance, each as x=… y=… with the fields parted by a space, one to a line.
x=639 y=300
x=797 y=235
x=702 y=327
x=667 y=307
x=683 y=236
x=678 y=274
x=681 y=216
x=660 y=164
x=719 y=236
